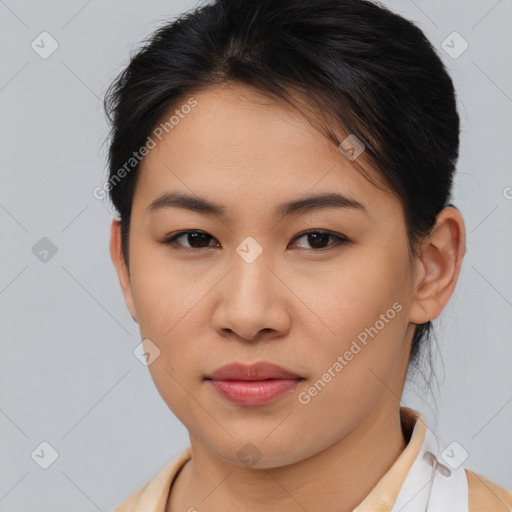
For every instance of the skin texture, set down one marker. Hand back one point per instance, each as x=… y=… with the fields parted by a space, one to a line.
x=295 y=306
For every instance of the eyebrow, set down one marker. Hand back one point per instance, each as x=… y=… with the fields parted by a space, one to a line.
x=301 y=205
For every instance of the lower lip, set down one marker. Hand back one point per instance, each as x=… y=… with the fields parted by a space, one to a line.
x=254 y=392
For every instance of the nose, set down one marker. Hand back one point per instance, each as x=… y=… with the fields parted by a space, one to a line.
x=253 y=303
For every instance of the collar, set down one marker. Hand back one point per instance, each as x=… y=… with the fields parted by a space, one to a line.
x=422 y=479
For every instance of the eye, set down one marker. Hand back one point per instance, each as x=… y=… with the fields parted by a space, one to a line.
x=196 y=239
x=318 y=239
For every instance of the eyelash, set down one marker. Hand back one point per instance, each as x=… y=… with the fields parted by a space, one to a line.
x=171 y=241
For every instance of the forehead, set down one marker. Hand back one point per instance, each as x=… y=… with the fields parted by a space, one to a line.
x=236 y=140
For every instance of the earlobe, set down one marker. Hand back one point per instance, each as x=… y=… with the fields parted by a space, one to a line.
x=442 y=253
x=116 y=253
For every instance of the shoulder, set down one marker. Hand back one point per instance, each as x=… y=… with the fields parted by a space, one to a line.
x=486 y=496
x=153 y=494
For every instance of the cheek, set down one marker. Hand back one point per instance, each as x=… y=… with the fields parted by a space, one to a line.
x=164 y=291
x=359 y=364
x=364 y=305
x=171 y=304
x=351 y=294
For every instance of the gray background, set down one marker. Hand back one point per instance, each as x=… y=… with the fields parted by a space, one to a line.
x=68 y=373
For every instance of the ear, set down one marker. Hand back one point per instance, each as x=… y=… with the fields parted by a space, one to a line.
x=438 y=266
x=123 y=273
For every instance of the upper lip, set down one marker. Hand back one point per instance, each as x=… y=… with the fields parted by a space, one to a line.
x=257 y=371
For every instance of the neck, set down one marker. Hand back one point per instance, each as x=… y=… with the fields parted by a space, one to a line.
x=336 y=479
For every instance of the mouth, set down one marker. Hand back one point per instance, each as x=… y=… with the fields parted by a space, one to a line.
x=258 y=384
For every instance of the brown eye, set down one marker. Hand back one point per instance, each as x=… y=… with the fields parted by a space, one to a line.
x=320 y=239
x=195 y=239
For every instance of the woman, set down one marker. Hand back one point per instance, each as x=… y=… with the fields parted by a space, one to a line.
x=282 y=173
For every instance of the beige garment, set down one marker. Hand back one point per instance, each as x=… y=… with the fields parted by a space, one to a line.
x=484 y=496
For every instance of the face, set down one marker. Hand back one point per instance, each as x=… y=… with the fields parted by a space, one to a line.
x=323 y=291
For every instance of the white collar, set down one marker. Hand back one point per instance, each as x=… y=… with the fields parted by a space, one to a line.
x=433 y=483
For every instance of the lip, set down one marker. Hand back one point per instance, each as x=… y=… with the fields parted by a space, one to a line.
x=256 y=371
x=251 y=385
